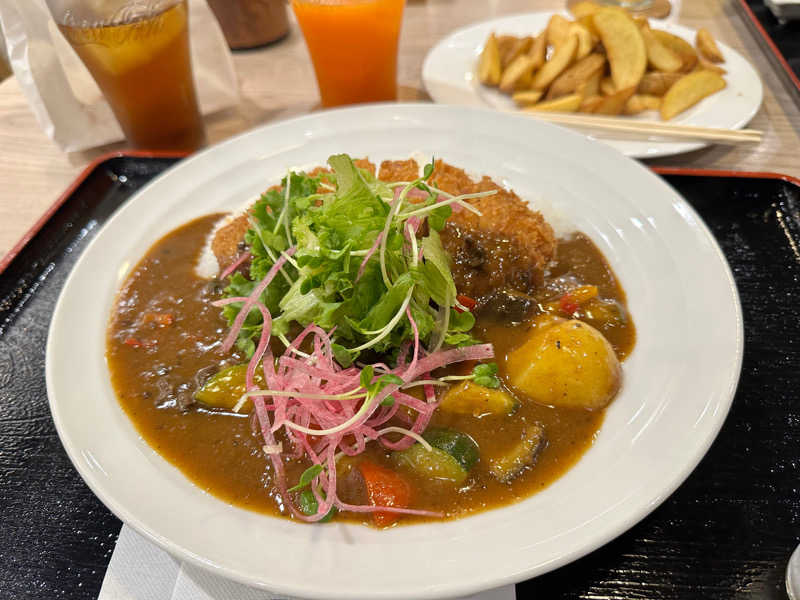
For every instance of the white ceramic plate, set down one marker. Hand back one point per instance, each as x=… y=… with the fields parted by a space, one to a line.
x=449 y=76
x=678 y=386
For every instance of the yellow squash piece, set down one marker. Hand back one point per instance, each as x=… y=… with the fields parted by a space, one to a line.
x=469 y=398
x=688 y=91
x=624 y=45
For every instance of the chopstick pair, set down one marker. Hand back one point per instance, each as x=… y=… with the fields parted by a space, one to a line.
x=649 y=128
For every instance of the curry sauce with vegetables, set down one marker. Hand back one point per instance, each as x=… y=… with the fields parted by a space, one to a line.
x=489 y=404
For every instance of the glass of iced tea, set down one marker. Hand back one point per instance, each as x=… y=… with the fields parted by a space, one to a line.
x=353 y=46
x=138 y=53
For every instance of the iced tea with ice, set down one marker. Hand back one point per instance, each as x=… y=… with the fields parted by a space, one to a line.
x=143 y=67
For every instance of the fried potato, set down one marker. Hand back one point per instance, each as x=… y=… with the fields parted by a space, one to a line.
x=489 y=71
x=588 y=22
x=688 y=91
x=516 y=73
x=569 y=103
x=607 y=86
x=641 y=102
x=704 y=65
x=538 y=51
x=708 y=47
x=656 y=83
x=679 y=46
x=570 y=79
x=590 y=104
x=517 y=48
x=624 y=45
x=560 y=60
x=527 y=97
x=591 y=86
x=584 y=9
x=613 y=104
x=659 y=56
x=557 y=30
x=585 y=41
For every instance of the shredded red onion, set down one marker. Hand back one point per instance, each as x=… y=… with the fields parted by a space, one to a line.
x=235 y=264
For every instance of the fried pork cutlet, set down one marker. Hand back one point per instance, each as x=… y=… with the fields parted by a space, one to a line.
x=507 y=247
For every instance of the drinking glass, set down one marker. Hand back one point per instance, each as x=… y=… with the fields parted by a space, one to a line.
x=138 y=53
x=353 y=46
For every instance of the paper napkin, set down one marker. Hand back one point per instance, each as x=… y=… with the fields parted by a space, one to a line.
x=140 y=570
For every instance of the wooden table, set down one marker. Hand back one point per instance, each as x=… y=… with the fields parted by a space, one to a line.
x=278 y=82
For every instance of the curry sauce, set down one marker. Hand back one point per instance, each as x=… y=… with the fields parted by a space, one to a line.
x=163 y=343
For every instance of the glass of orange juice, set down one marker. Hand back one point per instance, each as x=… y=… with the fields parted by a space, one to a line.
x=138 y=53
x=353 y=46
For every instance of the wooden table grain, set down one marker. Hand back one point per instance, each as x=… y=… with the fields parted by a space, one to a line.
x=278 y=82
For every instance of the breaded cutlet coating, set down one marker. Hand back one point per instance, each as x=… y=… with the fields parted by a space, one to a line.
x=508 y=246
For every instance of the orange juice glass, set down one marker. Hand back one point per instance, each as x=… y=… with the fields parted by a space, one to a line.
x=353 y=46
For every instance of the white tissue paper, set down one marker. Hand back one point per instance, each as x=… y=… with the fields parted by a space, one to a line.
x=63 y=95
x=140 y=570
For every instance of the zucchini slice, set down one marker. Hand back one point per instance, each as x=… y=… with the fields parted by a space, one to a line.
x=451 y=458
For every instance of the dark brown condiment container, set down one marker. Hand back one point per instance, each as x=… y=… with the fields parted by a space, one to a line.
x=251 y=23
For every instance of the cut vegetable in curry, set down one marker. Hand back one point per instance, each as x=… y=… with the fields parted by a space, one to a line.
x=379 y=345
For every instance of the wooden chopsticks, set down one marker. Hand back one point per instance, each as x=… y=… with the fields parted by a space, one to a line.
x=647 y=129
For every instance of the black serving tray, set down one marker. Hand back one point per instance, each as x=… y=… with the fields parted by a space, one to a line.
x=781 y=40
x=727 y=532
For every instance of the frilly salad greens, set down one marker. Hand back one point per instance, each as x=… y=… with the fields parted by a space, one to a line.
x=363 y=261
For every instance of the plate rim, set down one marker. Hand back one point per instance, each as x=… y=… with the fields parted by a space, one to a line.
x=632 y=518
x=666 y=148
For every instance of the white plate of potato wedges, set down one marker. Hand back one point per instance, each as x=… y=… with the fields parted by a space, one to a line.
x=602 y=61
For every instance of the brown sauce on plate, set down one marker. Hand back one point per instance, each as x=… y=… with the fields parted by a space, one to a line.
x=163 y=342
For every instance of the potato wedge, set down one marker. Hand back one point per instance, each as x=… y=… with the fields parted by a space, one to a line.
x=705 y=65
x=560 y=60
x=607 y=86
x=514 y=75
x=589 y=104
x=527 y=97
x=584 y=9
x=708 y=47
x=641 y=22
x=538 y=51
x=489 y=71
x=519 y=47
x=659 y=56
x=639 y=103
x=688 y=91
x=591 y=86
x=624 y=45
x=571 y=78
x=557 y=30
x=585 y=41
x=588 y=22
x=569 y=103
x=656 y=83
x=679 y=46
x=613 y=104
